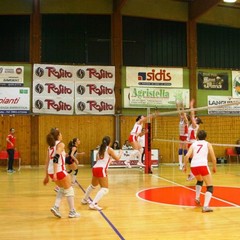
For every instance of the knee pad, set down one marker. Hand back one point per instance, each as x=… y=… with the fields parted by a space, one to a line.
x=210 y=189
x=69 y=192
x=69 y=171
x=185 y=152
x=200 y=183
x=75 y=172
x=180 y=151
x=105 y=190
x=93 y=187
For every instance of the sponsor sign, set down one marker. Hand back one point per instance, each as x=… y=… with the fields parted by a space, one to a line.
x=221 y=100
x=155 y=97
x=14 y=100
x=88 y=89
x=11 y=76
x=236 y=84
x=126 y=154
x=212 y=81
x=154 y=77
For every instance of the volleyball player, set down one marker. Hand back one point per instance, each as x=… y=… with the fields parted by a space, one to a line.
x=192 y=132
x=71 y=159
x=183 y=134
x=55 y=169
x=99 y=173
x=133 y=140
x=199 y=151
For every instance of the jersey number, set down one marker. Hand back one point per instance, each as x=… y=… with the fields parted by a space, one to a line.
x=199 y=147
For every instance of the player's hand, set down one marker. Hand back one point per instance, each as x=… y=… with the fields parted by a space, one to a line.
x=214 y=169
x=184 y=168
x=45 y=180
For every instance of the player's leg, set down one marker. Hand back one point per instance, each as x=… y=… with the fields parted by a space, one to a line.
x=103 y=181
x=208 y=195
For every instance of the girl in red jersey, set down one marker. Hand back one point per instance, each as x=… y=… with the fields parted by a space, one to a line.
x=11 y=141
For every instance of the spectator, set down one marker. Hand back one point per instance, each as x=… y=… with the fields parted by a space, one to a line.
x=126 y=145
x=11 y=140
x=115 y=145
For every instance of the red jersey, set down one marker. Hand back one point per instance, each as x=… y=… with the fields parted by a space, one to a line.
x=12 y=139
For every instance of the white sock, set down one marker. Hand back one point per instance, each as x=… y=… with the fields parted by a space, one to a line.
x=70 y=200
x=88 y=191
x=59 y=197
x=198 y=191
x=180 y=160
x=208 y=196
x=99 y=195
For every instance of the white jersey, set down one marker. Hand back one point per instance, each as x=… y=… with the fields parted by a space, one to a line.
x=200 y=153
x=137 y=128
x=61 y=161
x=103 y=162
x=183 y=128
x=192 y=133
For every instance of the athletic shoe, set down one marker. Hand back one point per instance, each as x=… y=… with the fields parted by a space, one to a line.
x=95 y=207
x=55 y=211
x=84 y=201
x=73 y=214
x=140 y=164
x=127 y=164
x=206 y=209
x=197 y=201
x=190 y=177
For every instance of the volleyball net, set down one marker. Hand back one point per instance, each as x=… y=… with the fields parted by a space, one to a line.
x=163 y=132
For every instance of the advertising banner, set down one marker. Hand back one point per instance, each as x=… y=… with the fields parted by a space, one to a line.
x=11 y=76
x=221 y=100
x=212 y=81
x=154 y=77
x=236 y=84
x=14 y=100
x=88 y=89
x=155 y=97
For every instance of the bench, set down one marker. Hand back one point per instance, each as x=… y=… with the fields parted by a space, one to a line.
x=4 y=156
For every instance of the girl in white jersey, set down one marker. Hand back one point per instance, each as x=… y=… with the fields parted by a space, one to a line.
x=133 y=140
x=183 y=134
x=55 y=169
x=199 y=167
x=192 y=132
x=99 y=171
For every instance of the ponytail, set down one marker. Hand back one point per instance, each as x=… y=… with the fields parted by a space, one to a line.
x=105 y=142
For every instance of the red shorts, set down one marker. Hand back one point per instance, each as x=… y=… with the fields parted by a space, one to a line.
x=60 y=175
x=99 y=172
x=132 y=138
x=183 y=138
x=201 y=170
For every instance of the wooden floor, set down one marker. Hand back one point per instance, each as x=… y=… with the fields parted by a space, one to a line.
x=25 y=204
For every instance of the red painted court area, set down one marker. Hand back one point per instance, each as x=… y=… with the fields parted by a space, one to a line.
x=184 y=196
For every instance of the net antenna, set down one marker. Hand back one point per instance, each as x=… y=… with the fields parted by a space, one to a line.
x=148 y=160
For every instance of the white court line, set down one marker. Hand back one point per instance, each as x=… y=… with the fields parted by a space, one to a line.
x=177 y=184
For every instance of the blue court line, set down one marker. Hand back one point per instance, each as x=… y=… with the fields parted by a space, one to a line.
x=105 y=217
